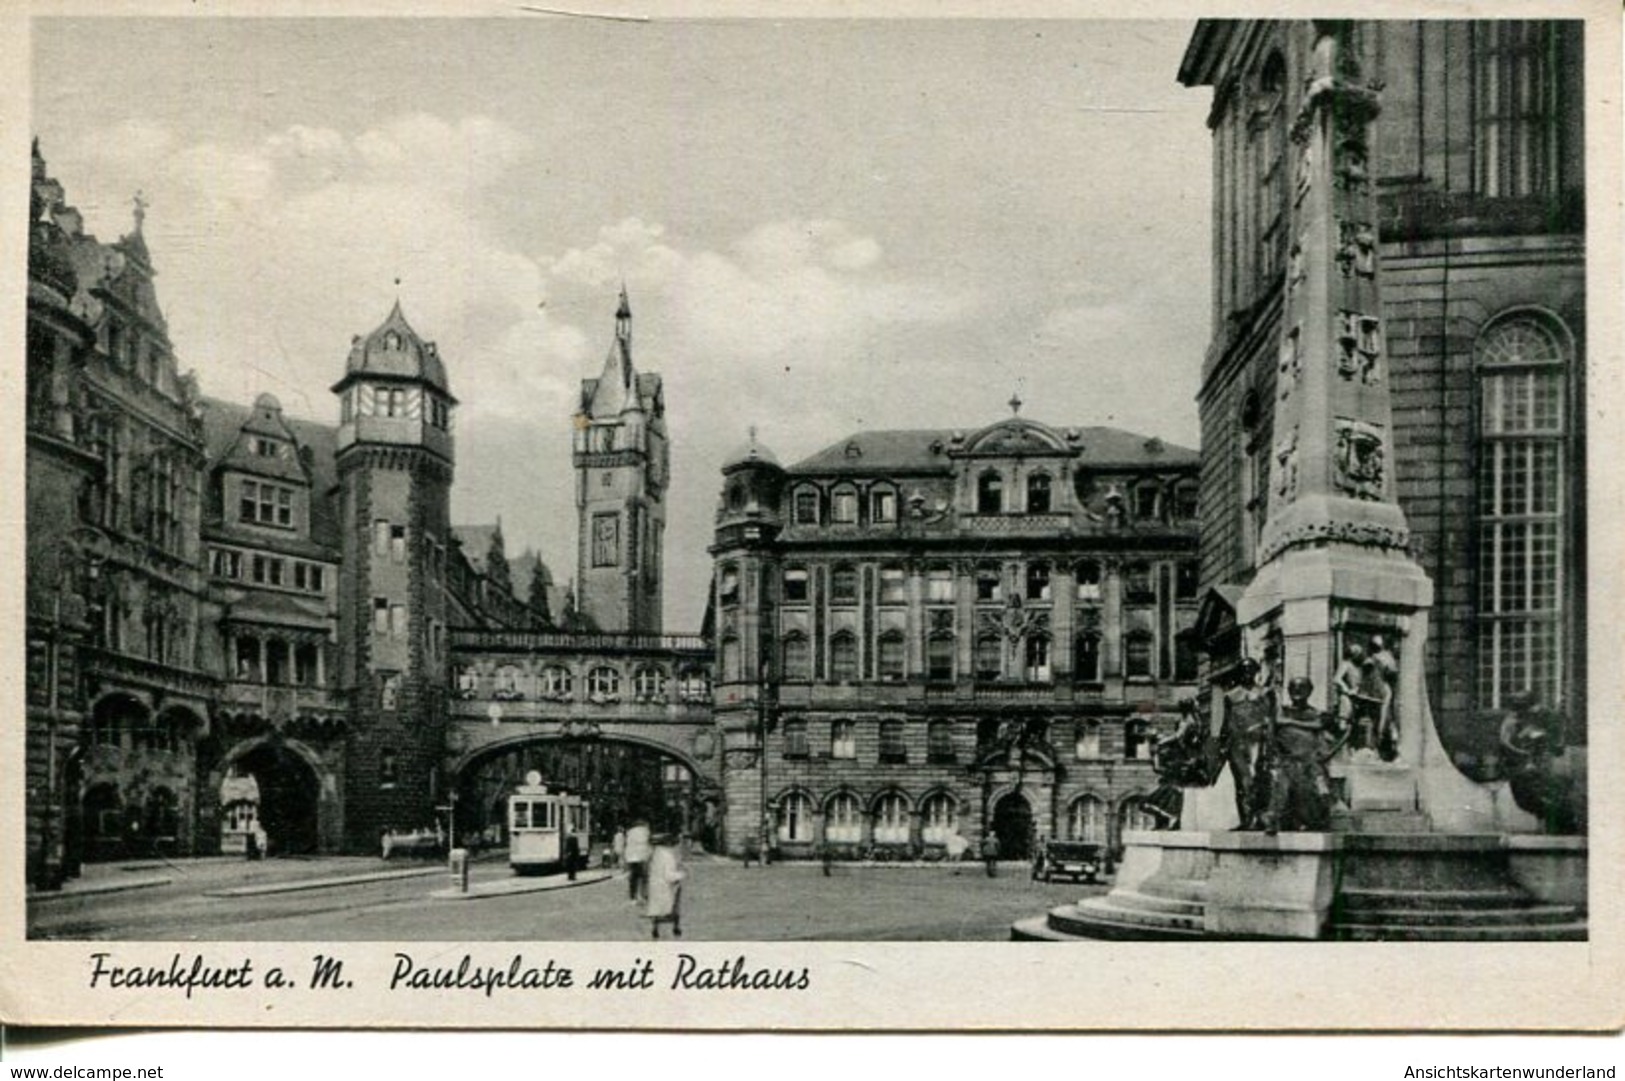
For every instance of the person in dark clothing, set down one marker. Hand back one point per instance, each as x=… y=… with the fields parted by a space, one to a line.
x=572 y=855
x=990 y=853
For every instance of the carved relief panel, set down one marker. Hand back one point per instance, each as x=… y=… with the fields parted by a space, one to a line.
x=1286 y=466
x=1356 y=249
x=1358 y=459
x=1290 y=362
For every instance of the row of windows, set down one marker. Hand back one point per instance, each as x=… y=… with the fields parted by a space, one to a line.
x=366 y=400
x=889 y=819
x=940 y=748
x=276 y=662
x=649 y=683
x=267 y=570
x=990 y=580
x=1029 y=660
x=845 y=505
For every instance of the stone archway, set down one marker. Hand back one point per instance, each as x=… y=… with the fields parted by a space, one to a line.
x=298 y=806
x=1012 y=823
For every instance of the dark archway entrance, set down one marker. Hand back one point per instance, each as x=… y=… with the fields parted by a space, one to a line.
x=1013 y=825
x=622 y=781
x=103 y=822
x=288 y=795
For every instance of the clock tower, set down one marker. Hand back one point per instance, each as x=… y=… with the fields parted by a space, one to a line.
x=622 y=459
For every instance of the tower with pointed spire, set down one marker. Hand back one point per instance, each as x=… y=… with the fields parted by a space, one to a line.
x=394 y=458
x=622 y=459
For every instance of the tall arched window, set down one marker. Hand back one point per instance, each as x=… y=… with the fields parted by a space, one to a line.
x=797 y=657
x=1086 y=663
x=1523 y=513
x=1086 y=820
x=891 y=819
x=844 y=506
x=795 y=819
x=843 y=819
x=939 y=818
x=843 y=657
x=891 y=655
x=939 y=658
x=1036 y=649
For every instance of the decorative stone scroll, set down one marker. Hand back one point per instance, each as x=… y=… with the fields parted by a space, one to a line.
x=1358 y=458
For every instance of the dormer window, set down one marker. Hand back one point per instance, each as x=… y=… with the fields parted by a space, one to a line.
x=266 y=448
x=1038 y=494
x=806 y=506
x=266 y=504
x=844 y=507
x=883 y=506
x=1146 y=501
x=989 y=494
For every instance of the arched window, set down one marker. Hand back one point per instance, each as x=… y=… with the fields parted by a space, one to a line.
x=795 y=738
x=843 y=657
x=1038 y=493
x=736 y=497
x=1523 y=513
x=795 y=819
x=989 y=660
x=603 y=682
x=1038 y=581
x=939 y=742
x=508 y=687
x=844 y=506
x=1136 y=817
x=891 y=820
x=843 y=739
x=1086 y=663
x=989 y=493
x=1036 y=669
x=939 y=818
x=843 y=585
x=1269 y=134
x=939 y=658
x=891 y=655
x=650 y=683
x=556 y=683
x=1086 y=820
x=843 y=819
x=797 y=657
x=1255 y=470
x=728 y=586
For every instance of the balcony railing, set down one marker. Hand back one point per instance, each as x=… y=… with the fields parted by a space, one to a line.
x=278 y=700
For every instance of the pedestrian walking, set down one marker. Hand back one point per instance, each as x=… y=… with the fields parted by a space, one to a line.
x=638 y=851
x=665 y=885
x=572 y=855
x=990 y=853
x=617 y=847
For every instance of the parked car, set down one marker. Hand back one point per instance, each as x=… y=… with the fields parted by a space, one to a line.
x=1079 y=861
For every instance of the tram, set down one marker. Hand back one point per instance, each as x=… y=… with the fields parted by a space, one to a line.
x=540 y=823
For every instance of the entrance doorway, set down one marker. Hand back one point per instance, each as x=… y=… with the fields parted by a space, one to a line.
x=288 y=791
x=1013 y=825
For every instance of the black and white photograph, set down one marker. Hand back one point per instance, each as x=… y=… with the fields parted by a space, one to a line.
x=508 y=505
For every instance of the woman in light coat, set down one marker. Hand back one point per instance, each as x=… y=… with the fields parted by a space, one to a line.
x=666 y=874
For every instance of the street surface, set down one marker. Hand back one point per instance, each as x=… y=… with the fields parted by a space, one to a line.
x=722 y=901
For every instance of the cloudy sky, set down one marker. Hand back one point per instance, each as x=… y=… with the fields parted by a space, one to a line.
x=824 y=225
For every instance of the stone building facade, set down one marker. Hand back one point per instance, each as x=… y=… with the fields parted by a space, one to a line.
x=923 y=634
x=246 y=625
x=1476 y=161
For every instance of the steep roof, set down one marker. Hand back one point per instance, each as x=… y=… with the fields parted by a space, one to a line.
x=394 y=349
x=223 y=425
x=927 y=450
x=476 y=542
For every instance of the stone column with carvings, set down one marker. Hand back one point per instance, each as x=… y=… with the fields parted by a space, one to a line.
x=1333 y=562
